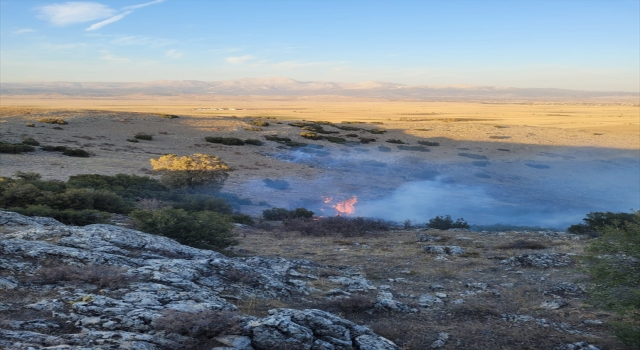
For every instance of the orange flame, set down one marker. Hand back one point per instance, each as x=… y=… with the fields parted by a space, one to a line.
x=346 y=207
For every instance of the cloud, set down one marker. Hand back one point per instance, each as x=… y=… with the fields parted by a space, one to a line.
x=239 y=59
x=226 y=50
x=23 y=31
x=135 y=7
x=108 y=21
x=142 y=40
x=173 y=54
x=107 y=56
x=74 y=12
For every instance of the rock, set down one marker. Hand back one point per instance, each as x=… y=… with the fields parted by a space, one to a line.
x=593 y=322
x=385 y=301
x=565 y=289
x=116 y=285
x=539 y=260
x=426 y=300
x=441 y=341
x=421 y=237
x=578 y=346
x=553 y=304
x=438 y=249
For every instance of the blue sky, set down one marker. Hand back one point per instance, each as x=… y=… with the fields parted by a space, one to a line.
x=574 y=44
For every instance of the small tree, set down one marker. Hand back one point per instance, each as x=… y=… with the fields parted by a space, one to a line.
x=190 y=171
x=595 y=221
x=203 y=229
x=445 y=223
x=613 y=262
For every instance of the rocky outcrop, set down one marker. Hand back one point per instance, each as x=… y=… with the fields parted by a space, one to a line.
x=539 y=260
x=107 y=287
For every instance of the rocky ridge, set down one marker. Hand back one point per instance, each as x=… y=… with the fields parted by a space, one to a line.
x=107 y=287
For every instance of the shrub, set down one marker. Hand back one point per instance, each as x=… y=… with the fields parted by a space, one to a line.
x=199 y=327
x=57 y=128
x=337 y=225
x=445 y=223
x=53 y=121
x=199 y=202
x=103 y=276
x=335 y=139
x=252 y=128
x=229 y=141
x=353 y=304
x=203 y=229
x=367 y=139
x=613 y=263
x=395 y=141
x=67 y=216
x=351 y=135
x=253 y=142
x=15 y=148
x=376 y=131
x=143 y=136
x=241 y=218
x=259 y=123
x=595 y=221
x=285 y=141
x=310 y=135
x=133 y=140
x=282 y=213
x=127 y=186
x=168 y=116
x=76 y=152
x=428 y=143
x=188 y=171
x=55 y=148
x=31 y=125
x=30 y=141
x=30 y=176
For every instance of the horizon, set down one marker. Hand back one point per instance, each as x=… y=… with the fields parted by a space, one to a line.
x=588 y=46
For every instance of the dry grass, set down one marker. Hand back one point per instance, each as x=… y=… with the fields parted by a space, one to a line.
x=477 y=323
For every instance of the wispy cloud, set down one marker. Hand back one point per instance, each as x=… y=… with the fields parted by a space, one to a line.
x=142 y=40
x=107 y=56
x=74 y=12
x=226 y=50
x=23 y=31
x=239 y=59
x=108 y=21
x=135 y=7
x=173 y=54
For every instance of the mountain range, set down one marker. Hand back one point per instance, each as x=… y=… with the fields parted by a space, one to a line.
x=289 y=87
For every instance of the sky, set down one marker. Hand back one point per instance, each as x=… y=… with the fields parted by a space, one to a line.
x=569 y=44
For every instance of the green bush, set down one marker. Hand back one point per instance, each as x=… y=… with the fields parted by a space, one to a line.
x=241 y=218
x=76 y=152
x=66 y=216
x=54 y=148
x=445 y=223
x=133 y=140
x=199 y=202
x=613 y=264
x=376 y=131
x=310 y=135
x=253 y=142
x=127 y=186
x=53 y=121
x=595 y=221
x=229 y=141
x=259 y=123
x=143 y=136
x=367 y=139
x=395 y=141
x=335 y=139
x=15 y=148
x=337 y=225
x=204 y=229
x=30 y=141
x=282 y=213
x=428 y=143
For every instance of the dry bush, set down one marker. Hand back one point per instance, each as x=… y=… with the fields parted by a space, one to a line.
x=337 y=225
x=189 y=171
x=100 y=275
x=151 y=204
x=52 y=121
x=244 y=277
x=201 y=327
x=356 y=303
x=522 y=244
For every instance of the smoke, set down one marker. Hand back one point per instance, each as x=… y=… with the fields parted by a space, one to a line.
x=549 y=189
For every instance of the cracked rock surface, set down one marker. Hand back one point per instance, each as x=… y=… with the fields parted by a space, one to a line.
x=106 y=287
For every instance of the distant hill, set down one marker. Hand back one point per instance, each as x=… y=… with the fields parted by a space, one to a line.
x=290 y=87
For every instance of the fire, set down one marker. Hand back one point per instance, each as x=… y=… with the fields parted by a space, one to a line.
x=346 y=207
